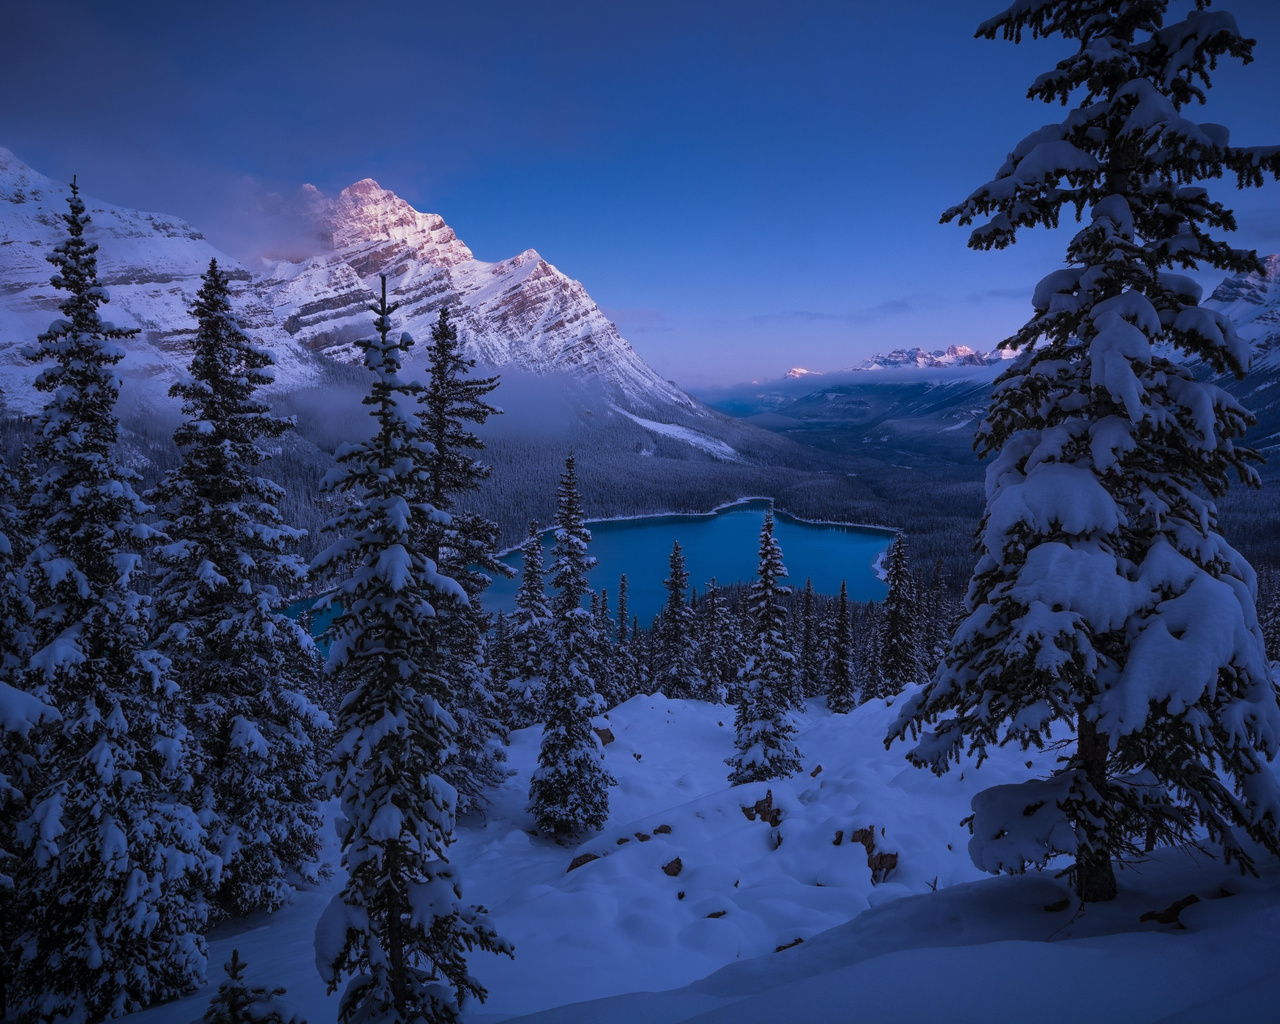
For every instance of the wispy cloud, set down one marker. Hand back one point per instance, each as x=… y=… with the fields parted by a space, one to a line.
x=866 y=315
x=891 y=308
x=999 y=293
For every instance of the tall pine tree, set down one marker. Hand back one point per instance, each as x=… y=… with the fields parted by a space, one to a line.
x=244 y=667
x=20 y=715
x=110 y=879
x=842 y=695
x=1105 y=597
x=398 y=929
x=808 y=642
x=764 y=729
x=569 y=791
x=676 y=658
x=900 y=659
x=530 y=632
x=465 y=549
x=716 y=650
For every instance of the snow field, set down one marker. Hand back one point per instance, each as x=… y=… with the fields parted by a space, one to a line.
x=614 y=935
x=620 y=923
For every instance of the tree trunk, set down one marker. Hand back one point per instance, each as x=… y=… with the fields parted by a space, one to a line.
x=1095 y=876
x=395 y=935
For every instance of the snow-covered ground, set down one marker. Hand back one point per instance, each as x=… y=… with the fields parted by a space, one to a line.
x=688 y=435
x=679 y=916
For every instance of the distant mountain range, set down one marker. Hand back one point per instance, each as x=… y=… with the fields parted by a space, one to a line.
x=910 y=406
x=521 y=312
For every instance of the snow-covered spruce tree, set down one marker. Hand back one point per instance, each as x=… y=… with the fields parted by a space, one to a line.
x=842 y=689
x=530 y=631
x=676 y=655
x=244 y=667
x=626 y=682
x=1104 y=598
x=764 y=728
x=478 y=761
x=808 y=643
x=716 y=646
x=935 y=613
x=499 y=656
x=112 y=859
x=20 y=714
x=236 y=1003
x=900 y=658
x=465 y=550
x=451 y=400
x=398 y=929
x=569 y=790
x=19 y=711
x=605 y=663
x=15 y=607
x=866 y=654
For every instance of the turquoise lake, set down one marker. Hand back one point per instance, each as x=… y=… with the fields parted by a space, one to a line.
x=723 y=544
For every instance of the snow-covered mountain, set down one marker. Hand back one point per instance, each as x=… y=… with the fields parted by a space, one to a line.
x=521 y=312
x=1253 y=301
x=151 y=265
x=952 y=355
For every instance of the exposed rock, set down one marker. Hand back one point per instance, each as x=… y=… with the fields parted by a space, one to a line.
x=787 y=945
x=717 y=913
x=764 y=810
x=673 y=868
x=644 y=837
x=814 y=774
x=606 y=735
x=582 y=858
x=1171 y=914
x=624 y=839
x=662 y=830
x=880 y=864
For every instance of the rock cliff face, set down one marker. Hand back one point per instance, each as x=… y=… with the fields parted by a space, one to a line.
x=520 y=312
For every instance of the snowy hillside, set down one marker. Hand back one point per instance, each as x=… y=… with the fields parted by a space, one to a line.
x=691 y=879
x=519 y=312
x=151 y=265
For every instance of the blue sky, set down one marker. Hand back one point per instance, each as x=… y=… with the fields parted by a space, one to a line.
x=744 y=187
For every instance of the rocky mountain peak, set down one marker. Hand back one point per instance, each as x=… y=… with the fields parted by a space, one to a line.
x=365 y=213
x=1249 y=288
x=520 y=312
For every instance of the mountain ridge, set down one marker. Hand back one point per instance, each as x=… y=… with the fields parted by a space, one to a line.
x=520 y=312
